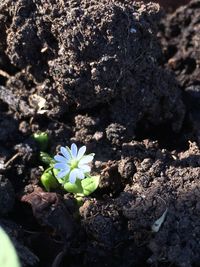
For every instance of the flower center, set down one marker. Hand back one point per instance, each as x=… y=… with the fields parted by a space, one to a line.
x=74 y=163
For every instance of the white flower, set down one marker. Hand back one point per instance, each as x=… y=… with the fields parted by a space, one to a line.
x=73 y=163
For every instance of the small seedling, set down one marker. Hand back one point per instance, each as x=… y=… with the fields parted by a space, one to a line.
x=71 y=169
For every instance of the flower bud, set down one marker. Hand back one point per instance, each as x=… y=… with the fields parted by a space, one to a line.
x=49 y=181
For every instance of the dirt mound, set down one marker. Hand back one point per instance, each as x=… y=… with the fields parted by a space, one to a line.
x=180 y=34
x=162 y=181
x=77 y=56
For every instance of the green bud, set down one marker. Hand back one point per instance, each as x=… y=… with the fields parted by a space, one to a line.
x=49 y=181
x=42 y=139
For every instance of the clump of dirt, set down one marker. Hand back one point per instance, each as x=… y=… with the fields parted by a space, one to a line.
x=162 y=180
x=77 y=56
x=180 y=34
x=181 y=43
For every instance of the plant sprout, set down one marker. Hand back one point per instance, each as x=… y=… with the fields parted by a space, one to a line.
x=73 y=164
x=70 y=168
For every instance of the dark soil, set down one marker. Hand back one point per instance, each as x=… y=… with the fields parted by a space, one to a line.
x=95 y=73
x=169 y=5
x=180 y=34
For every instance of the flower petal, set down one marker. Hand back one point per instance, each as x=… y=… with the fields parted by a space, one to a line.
x=72 y=176
x=60 y=159
x=74 y=150
x=84 y=168
x=86 y=159
x=62 y=173
x=65 y=152
x=62 y=166
x=81 y=152
x=80 y=174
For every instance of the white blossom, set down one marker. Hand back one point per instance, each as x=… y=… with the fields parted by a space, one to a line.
x=72 y=163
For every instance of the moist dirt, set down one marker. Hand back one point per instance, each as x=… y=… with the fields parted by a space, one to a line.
x=122 y=78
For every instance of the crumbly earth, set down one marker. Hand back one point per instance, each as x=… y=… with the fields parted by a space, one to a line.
x=89 y=72
x=180 y=36
x=162 y=180
x=169 y=5
x=75 y=55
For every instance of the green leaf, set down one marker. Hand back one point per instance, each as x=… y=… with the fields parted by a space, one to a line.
x=8 y=255
x=90 y=184
x=48 y=180
x=42 y=139
x=46 y=158
x=74 y=188
x=83 y=187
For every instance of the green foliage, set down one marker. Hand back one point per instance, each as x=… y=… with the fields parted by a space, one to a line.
x=83 y=187
x=8 y=255
x=48 y=180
